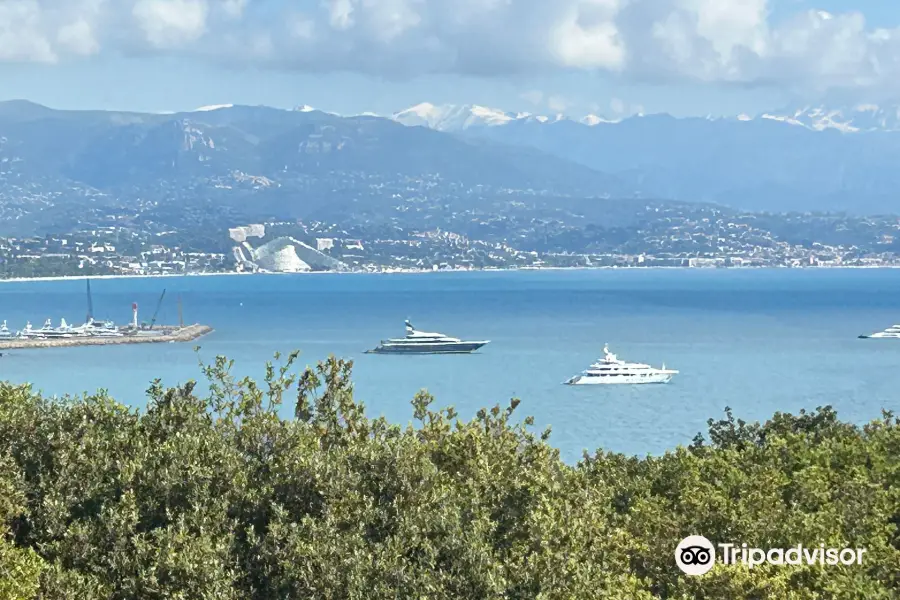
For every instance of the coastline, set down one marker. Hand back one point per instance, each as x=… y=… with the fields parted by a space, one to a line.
x=430 y=271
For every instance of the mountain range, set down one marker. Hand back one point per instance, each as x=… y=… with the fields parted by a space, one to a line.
x=58 y=165
x=811 y=159
x=107 y=150
x=257 y=161
x=461 y=117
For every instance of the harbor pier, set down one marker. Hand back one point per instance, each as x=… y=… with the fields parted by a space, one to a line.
x=102 y=333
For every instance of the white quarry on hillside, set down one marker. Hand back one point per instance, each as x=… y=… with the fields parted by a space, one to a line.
x=240 y=234
x=281 y=255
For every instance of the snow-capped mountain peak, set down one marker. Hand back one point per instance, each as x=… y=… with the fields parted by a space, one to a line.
x=459 y=117
x=456 y=118
x=848 y=119
x=490 y=116
x=213 y=107
x=453 y=117
x=592 y=120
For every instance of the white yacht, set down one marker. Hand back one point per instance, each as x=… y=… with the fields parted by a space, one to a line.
x=5 y=333
x=891 y=332
x=422 y=342
x=97 y=329
x=48 y=331
x=28 y=332
x=610 y=369
x=65 y=328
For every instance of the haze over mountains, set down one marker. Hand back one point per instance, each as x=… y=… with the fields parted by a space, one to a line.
x=111 y=150
x=807 y=159
x=292 y=161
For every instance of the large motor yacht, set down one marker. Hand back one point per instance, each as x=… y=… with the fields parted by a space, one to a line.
x=422 y=342
x=97 y=329
x=48 y=331
x=5 y=333
x=891 y=332
x=28 y=332
x=610 y=370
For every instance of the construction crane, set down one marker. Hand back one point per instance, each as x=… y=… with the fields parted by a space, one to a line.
x=90 y=314
x=156 y=312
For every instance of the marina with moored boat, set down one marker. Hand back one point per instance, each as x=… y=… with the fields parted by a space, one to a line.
x=158 y=335
x=94 y=332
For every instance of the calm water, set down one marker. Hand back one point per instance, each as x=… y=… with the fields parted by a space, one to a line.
x=759 y=341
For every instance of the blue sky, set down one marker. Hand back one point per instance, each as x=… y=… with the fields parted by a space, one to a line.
x=608 y=57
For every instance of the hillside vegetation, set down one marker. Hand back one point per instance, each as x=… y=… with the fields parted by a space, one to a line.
x=215 y=496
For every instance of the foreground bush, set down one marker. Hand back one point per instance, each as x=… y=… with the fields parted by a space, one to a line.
x=216 y=497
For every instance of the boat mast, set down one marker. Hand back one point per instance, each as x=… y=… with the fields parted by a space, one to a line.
x=90 y=313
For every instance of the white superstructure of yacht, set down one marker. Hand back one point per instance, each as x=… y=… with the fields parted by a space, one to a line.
x=28 y=332
x=5 y=333
x=65 y=328
x=48 y=331
x=891 y=332
x=610 y=370
x=97 y=329
x=423 y=342
x=91 y=328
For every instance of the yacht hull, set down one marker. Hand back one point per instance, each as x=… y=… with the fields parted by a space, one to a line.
x=452 y=348
x=880 y=336
x=620 y=380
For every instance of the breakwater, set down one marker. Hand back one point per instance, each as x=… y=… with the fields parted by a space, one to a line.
x=159 y=335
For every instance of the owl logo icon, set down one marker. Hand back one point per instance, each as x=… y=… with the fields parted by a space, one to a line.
x=695 y=555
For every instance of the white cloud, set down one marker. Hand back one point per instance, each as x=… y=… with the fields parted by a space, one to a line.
x=587 y=36
x=557 y=103
x=340 y=14
x=533 y=97
x=731 y=41
x=171 y=23
x=234 y=8
x=21 y=35
x=78 y=37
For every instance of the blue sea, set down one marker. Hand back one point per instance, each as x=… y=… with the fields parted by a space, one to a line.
x=758 y=341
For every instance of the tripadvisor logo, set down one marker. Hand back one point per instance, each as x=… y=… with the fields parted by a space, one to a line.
x=696 y=555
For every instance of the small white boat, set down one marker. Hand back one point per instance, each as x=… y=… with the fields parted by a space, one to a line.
x=611 y=370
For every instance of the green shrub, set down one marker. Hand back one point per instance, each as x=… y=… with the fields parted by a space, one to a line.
x=214 y=496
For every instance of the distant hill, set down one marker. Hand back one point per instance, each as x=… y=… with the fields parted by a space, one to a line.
x=430 y=163
x=223 y=147
x=807 y=159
